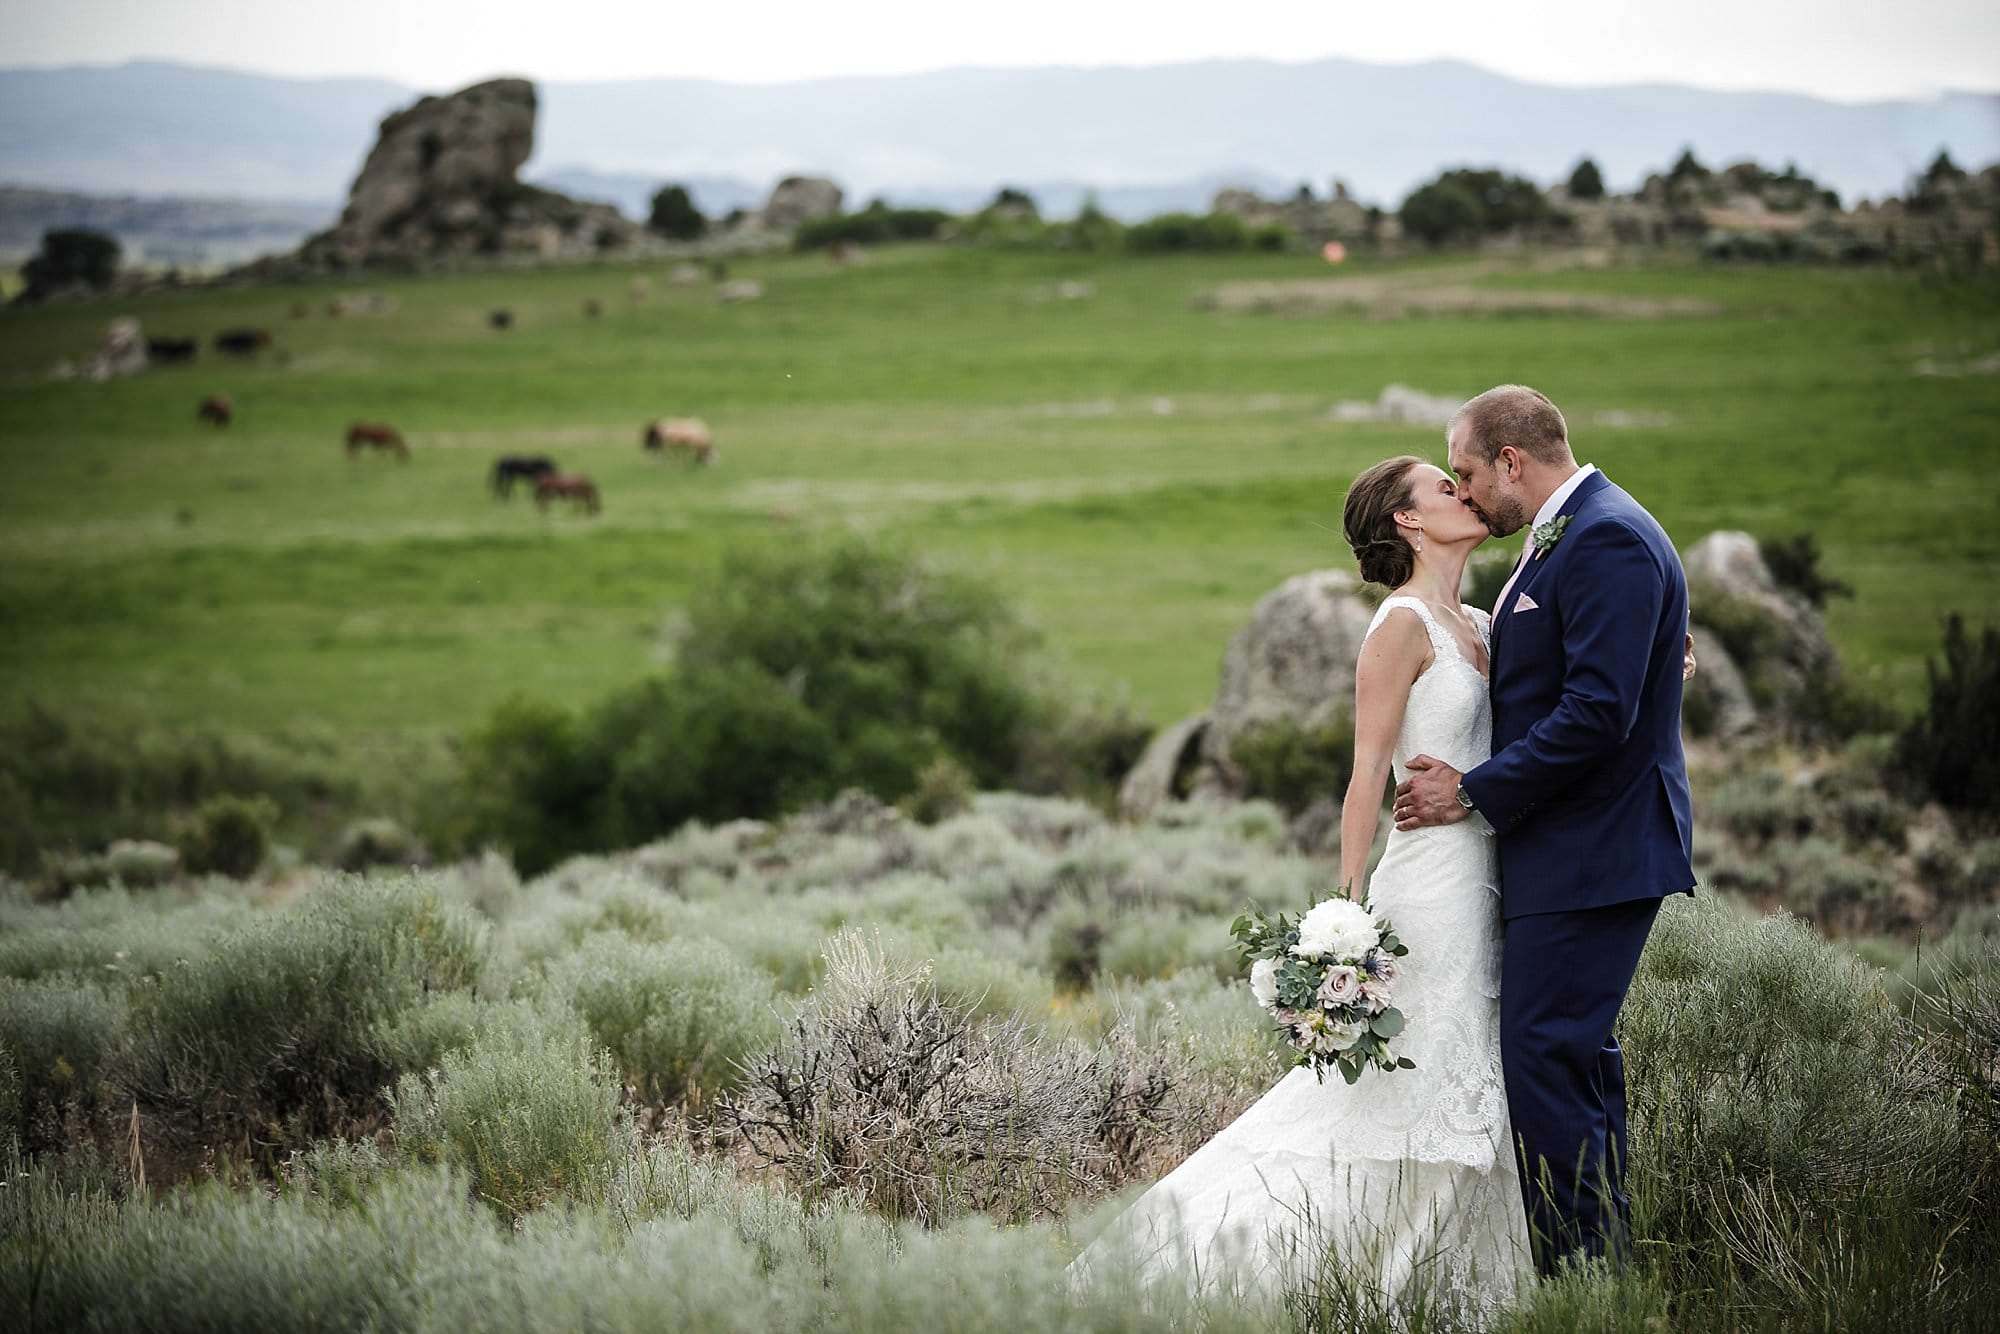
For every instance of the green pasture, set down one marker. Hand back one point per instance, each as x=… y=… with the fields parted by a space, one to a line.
x=1135 y=469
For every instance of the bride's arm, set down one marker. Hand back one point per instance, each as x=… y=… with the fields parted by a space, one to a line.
x=1391 y=659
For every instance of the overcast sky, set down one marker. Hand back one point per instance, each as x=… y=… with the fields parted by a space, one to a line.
x=1846 y=49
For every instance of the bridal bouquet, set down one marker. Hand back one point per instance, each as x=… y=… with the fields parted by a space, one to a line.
x=1327 y=979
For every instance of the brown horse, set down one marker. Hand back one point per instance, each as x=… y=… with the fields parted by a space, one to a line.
x=375 y=435
x=216 y=408
x=566 y=486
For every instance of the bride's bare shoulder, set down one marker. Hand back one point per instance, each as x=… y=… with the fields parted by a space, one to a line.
x=1398 y=636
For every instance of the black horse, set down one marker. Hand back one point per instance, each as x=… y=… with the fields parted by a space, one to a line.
x=510 y=468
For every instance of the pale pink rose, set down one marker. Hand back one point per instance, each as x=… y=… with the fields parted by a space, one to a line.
x=1341 y=985
x=1375 y=995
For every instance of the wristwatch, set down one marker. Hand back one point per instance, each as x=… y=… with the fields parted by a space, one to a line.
x=1464 y=797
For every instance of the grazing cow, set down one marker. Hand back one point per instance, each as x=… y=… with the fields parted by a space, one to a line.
x=592 y=308
x=681 y=435
x=169 y=350
x=375 y=435
x=502 y=318
x=216 y=409
x=242 y=342
x=566 y=486
x=510 y=468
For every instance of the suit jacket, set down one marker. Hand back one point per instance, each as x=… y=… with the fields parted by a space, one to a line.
x=1587 y=788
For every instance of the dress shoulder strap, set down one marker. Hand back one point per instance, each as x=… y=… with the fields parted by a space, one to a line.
x=1436 y=632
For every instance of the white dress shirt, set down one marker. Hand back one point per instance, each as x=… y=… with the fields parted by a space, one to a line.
x=1553 y=505
x=1550 y=508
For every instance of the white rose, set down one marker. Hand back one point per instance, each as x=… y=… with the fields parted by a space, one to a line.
x=1339 y=1037
x=1264 y=981
x=1336 y=929
x=1340 y=986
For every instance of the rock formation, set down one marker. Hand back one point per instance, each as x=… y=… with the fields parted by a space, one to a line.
x=440 y=184
x=798 y=199
x=1293 y=662
x=1775 y=642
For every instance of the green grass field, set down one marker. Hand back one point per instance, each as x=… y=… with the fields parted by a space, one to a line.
x=257 y=578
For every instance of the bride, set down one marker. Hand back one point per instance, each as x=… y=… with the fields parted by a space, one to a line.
x=1406 y=1180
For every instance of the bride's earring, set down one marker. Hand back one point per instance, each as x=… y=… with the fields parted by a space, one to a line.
x=1420 y=541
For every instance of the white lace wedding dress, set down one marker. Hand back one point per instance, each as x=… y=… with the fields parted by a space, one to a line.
x=1403 y=1177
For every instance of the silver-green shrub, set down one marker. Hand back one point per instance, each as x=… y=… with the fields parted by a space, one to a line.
x=64 y=1036
x=678 y=1015
x=530 y=1111
x=339 y=1170
x=1770 y=1079
x=284 y=1013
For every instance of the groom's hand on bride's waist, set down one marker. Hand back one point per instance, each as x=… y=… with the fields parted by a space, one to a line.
x=1429 y=796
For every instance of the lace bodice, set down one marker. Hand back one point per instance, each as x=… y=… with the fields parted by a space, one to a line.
x=1449 y=715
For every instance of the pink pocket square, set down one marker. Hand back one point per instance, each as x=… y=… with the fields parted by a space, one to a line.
x=1526 y=603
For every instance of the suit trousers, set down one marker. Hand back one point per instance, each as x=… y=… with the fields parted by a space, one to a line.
x=1565 y=977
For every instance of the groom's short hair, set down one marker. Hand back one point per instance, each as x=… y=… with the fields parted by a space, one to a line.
x=1513 y=414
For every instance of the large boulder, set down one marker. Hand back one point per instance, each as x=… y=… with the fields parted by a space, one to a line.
x=1775 y=642
x=1717 y=702
x=441 y=183
x=798 y=199
x=1155 y=779
x=1293 y=662
x=446 y=154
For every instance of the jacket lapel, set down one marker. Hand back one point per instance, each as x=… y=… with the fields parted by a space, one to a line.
x=1589 y=487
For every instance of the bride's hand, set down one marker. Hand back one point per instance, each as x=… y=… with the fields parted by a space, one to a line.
x=1687 y=665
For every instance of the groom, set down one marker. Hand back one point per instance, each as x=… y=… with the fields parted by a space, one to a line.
x=1587 y=791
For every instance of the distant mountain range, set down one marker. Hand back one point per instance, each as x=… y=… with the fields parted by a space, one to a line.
x=1144 y=138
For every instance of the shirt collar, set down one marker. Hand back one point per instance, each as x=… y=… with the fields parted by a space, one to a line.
x=1553 y=505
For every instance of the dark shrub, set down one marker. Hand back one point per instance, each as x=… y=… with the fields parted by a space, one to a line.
x=70 y=256
x=944 y=789
x=229 y=836
x=1952 y=749
x=801 y=673
x=1019 y=201
x=1083 y=748
x=874 y=225
x=1294 y=766
x=376 y=842
x=76 y=782
x=1794 y=564
x=1441 y=214
x=1466 y=203
x=1586 y=182
x=674 y=215
x=1832 y=706
x=1175 y=232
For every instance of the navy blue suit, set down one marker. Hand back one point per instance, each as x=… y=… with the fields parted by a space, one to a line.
x=1587 y=791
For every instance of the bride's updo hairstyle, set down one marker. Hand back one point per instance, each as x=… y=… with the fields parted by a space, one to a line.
x=1386 y=556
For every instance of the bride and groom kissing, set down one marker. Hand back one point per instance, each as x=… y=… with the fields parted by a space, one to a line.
x=1541 y=816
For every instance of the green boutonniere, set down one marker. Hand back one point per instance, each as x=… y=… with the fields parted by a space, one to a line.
x=1546 y=535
